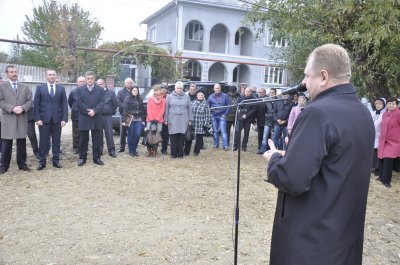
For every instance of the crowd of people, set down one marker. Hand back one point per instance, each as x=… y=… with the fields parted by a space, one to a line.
x=169 y=116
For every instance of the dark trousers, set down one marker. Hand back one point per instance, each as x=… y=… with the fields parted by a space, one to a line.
x=6 y=149
x=229 y=125
x=177 y=141
x=260 y=133
x=386 y=169
x=188 y=147
x=0 y=136
x=32 y=137
x=199 y=143
x=108 y=132
x=245 y=126
x=84 y=141
x=75 y=134
x=122 y=133
x=165 y=138
x=49 y=131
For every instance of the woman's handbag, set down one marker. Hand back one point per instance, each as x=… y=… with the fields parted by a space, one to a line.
x=145 y=139
x=189 y=135
x=128 y=120
x=154 y=137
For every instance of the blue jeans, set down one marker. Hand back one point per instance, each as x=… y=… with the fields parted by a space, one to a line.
x=219 y=123
x=266 y=135
x=134 y=132
x=280 y=134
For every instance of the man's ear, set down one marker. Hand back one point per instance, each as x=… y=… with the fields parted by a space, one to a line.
x=325 y=77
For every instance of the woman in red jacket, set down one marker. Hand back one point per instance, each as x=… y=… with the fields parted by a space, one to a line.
x=389 y=141
x=155 y=115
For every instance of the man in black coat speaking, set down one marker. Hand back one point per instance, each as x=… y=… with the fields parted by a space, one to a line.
x=323 y=176
x=90 y=100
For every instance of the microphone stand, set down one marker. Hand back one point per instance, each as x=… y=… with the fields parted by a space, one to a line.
x=252 y=101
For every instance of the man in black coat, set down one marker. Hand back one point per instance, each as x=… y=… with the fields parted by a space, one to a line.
x=323 y=177
x=75 y=114
x=120 y=98
x=51 y=114
x=260 y=119
x=281 y=115
x=110 y=106
x=246 y=118
x=90 y=99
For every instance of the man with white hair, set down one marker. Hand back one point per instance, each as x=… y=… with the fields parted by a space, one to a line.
x=120 y=98
x=323 y=176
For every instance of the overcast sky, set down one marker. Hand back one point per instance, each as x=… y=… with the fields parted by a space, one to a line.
x=120 y=18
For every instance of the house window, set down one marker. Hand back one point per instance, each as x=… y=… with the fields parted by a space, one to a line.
x=193 y=69
x=153 y=34
x=237 y=37
x=194 y=31
x=269 y=40
x=273 y=75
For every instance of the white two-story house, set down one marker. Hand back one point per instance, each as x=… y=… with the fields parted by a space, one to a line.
x=213 y=29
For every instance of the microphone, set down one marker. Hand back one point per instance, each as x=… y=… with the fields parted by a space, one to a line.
x=292 y=90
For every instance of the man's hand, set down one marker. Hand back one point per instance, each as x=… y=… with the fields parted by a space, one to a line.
x=18 y=110
x=272 y=150
x=91 y=112
x=39 y=123
x=63 y=123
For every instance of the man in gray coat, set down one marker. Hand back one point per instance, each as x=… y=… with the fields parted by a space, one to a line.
x=323 y=176
x=15 y=102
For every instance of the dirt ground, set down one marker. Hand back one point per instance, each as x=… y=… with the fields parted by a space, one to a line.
x=158 y=211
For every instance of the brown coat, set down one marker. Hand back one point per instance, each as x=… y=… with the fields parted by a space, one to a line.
x=14 y=126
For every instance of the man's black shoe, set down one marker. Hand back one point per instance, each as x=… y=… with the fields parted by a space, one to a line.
x=25 y=168
x=57 y=165
x=41 y=166
x=76 y=151
x=3 y=170
x=112 y=154
x=259 y=153
x=98 y=162
x=121 y=150
x=81 y=162
x=234 y=148
x=244 y=149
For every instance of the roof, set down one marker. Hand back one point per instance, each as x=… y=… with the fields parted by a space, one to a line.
x=230 y=4
x=26 y=73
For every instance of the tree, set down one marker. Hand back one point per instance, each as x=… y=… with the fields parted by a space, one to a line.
x=3 y=57
x=60 y=24
x=368 y=29
x=162 y=67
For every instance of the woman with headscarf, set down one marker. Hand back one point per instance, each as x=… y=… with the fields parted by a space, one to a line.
x=178 y=116
x=377 y=115
x=389 y=141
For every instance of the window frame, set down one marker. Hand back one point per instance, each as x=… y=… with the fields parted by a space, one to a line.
x=274 y=79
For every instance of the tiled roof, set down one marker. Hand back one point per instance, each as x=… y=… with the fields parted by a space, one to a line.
x=236 y=4
x=26 y=73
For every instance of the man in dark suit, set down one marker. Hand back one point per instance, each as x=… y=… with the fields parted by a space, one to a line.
x=15 y=102
x=120 y=97
x=75 y=114
x=110 y=106
x=90 y=99
x=51 y=114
